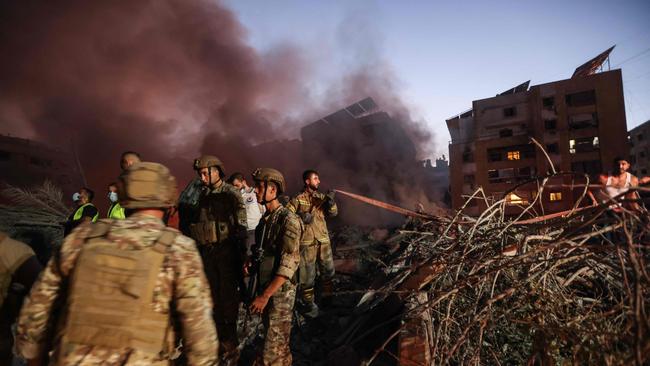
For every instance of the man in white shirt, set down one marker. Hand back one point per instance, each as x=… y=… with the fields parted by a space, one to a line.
x=254 y=210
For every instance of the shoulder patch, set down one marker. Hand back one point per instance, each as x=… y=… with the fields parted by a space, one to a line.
x=292 y=225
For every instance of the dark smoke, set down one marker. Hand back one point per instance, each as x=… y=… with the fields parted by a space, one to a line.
x=169 y=79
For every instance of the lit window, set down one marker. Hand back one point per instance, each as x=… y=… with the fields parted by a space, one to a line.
x=572 y=146
x=556 y=196
x=512 y=199
x=513 y=155
x=595 y=142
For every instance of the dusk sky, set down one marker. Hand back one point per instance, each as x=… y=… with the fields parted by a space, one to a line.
x=443 y=55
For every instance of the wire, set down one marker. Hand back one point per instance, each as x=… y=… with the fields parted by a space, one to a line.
x=632 y=58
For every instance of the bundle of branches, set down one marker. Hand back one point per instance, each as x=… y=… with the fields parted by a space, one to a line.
x=566 y=289
x=40 y=208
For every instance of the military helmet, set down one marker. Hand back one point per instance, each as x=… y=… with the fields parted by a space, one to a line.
x=270 y=175
x=146 y=185
x=207 y=161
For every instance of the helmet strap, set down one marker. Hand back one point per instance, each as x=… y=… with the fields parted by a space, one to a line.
x=266 y=187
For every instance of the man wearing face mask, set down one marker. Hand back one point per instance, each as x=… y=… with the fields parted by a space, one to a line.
x=218 y=225
x=115 y=211
x=84 y=212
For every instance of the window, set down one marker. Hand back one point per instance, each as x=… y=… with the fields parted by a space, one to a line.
x=585 y=144
x=550 y=124
x=555 y=196
x=581 y=99
x=506 y=132
x=513 y=199
x=510 y=112
x=5 y=155
x=513 y=155
x=468 y=157
x=468 y=178
x=548 y=102
x=494 y=155
x=513 y=152
x=642 y=154
x=553 y=148
x=582 y=121
x=525 y=172
x=644 y=171
x=639 y=137
x=493 y=174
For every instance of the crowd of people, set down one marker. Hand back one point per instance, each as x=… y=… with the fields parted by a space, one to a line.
x=129 y=290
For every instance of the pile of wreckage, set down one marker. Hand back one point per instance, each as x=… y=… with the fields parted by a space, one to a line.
x=570 y=288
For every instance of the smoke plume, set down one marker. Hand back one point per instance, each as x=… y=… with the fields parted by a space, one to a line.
x=170 y=79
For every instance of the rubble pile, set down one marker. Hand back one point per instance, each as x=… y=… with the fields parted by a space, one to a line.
x=571 y=288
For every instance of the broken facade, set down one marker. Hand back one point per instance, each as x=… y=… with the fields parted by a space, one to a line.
x=580 y=122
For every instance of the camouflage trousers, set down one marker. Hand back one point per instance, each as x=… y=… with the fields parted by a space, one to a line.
x=222 y=265
x=277 y=318
x=317 y=256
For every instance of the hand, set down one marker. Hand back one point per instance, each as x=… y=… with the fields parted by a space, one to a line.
x=331 y=194
x=306 y=217
x=258 y=305
x=248 y=263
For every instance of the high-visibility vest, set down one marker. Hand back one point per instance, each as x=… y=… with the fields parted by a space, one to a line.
x=80 y=210
x=116 y=212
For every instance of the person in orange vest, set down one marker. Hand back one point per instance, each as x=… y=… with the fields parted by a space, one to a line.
x=115 y=211
x=84 y=212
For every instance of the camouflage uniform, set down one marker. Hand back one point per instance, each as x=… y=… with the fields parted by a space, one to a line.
x=179 y=293
x=315 y=242
x=220 y=232
x=279 y=232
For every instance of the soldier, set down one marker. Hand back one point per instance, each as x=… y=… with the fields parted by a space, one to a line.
x=129 y=158
x=277 y=248
x=312 y=207
x=18 y=271
x=219 y=228
x=114 y=288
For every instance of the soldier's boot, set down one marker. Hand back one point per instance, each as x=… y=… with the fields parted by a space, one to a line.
x=327 y=291
x=228 y=350
x=306 y=305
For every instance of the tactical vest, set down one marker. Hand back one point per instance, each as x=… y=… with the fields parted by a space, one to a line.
x=80 y=210
x=12 y=255
x=272 y=252
x=216 y=219
x=116 y=212
x=111 y=294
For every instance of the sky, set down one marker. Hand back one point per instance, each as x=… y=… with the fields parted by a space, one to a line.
x=444 y=55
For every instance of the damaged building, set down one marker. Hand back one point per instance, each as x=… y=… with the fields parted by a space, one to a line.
x=580 y=122
x=363 y=149
x=26 y=163
x=640 y=149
